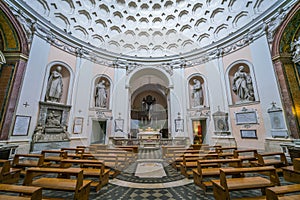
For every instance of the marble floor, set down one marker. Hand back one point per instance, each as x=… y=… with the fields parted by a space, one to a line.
x=149 y=178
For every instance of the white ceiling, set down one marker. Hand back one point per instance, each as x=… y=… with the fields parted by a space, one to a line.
x=154 y=28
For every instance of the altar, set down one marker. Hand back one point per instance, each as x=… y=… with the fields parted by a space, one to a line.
x=149 y=138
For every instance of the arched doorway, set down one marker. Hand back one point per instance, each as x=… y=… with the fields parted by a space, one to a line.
x=149 y=101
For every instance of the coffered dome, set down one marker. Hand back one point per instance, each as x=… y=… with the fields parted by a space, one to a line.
x=152 y=28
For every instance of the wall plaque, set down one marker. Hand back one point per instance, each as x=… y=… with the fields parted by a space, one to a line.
x=21 y=125
x=251 y=134
x=78 y=124
x=246 y=117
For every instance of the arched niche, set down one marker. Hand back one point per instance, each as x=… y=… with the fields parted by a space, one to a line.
x=197 y=88
x=241 y=84
x=66 y=76
x=102 y=86
x=149 y=91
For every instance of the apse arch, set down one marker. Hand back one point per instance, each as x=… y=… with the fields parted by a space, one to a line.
x=154 y=71
x=149 y=94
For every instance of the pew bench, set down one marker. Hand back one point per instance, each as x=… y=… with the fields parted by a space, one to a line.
x=226 y=152
x=73 y=152
x=178 y=156
x=25 y=192
x=7 y=173
x=124 y=157
x=166 y=149
x=211 y=169
x=278 y=193
x=132 y=154
x=111 y=162
x=246 y=156
x=91 y=168
x=54 y=156
x=223 y=187
x=292 y=173
x=169 y=153
x=269 y=159
x=135 y=149
x=190 y=162
x=79 y=186
x=23 y=161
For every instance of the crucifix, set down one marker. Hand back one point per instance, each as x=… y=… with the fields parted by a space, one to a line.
x=148 y=104
x=26 y=104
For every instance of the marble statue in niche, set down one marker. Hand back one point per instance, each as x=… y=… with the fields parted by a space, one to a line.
x=55 y=86
x=101 y=95
x=197 y=93
x=242 y=85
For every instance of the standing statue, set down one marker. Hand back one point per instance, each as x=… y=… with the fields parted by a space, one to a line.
x=242 y=85
x=55 y=86
x=197 y=93
x=101 y=95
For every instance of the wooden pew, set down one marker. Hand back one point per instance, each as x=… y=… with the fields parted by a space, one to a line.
x=95 y=147
x=211 y=169
x=178 y=156
x=245 y=155
x=7 y=173
x=24 y=161
x=123 y=156
x=80 y=187
x=212 y=148
x=222 y=187
x=165 y=149
x=292 y=173
x=73 y=152
x=110 y=160
x=91 y=168
x=226 y=152
x=54 y=156
x=277 y=193
x=269 y=159
x=25 y=192
x=135 y=149
x=190 y=162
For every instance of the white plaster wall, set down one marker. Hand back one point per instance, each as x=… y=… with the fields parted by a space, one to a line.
x=178 y=104
x=32 y=85
x=266 y=80
x=121 y=100
x=82 y=95
x=216 y=93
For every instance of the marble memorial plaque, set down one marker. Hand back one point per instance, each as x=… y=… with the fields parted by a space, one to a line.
x=246 y=117
x=150 y=170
